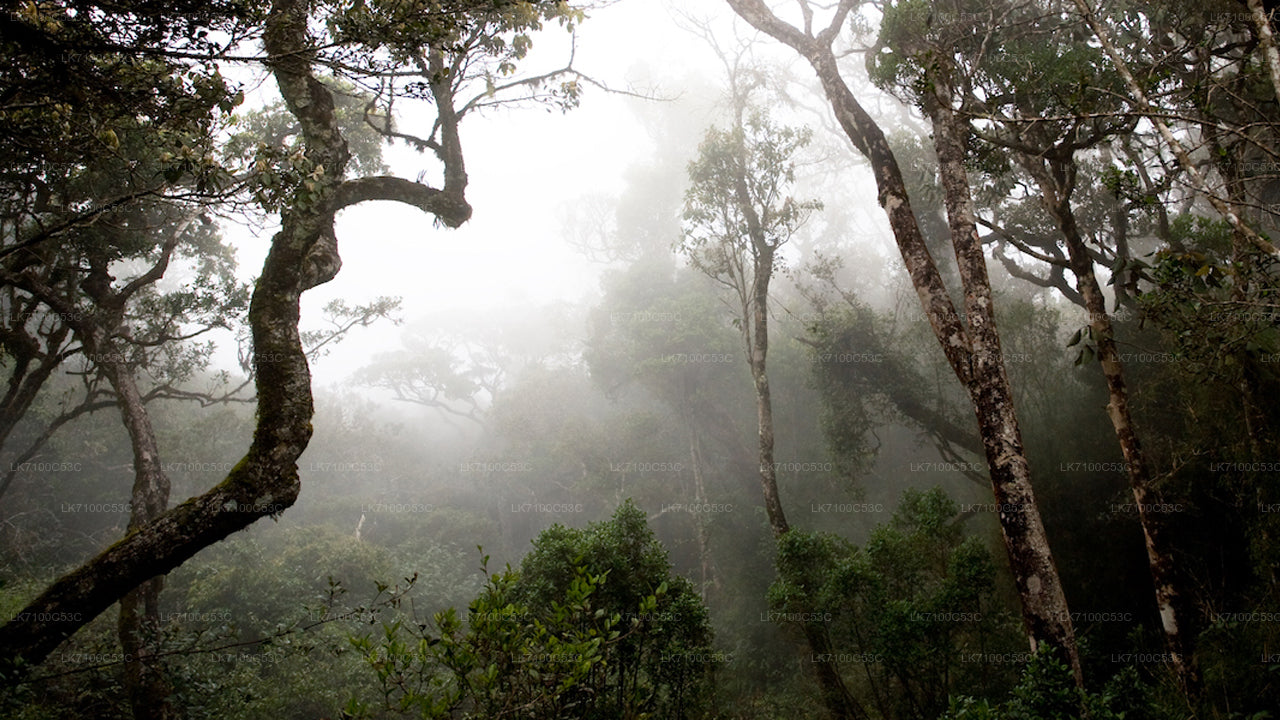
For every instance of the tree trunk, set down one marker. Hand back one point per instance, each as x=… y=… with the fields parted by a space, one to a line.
x=764 y=400
x=973 y=353
x=835 y=694
x=1266 y=41
x=139 y=624
x=1175 y=612
x=709 y=579
x=1044 y=604
x=265 y=482
x=753 y=322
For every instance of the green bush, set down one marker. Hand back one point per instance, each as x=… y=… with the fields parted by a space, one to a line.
x=1047 y=691
x=593 y=626
x=907 y=607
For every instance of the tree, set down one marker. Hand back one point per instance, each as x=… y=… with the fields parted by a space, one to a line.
x=593 y=625
x=101 y=141
x=738 y=213
x=58 y=292
x=458 y=365
x=652 y=317
x=302 y=255
x=850 y=390
x=1078 y=118
x=1046 y=692
x=1224 y=207
x=908 y=604
x=971 y=344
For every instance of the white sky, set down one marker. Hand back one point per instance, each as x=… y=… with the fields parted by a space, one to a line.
x=524 y=164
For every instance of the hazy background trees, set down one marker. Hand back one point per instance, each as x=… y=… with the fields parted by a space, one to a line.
x=611 y=449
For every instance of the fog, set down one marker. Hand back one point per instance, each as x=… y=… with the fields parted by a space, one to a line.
x=921 y=367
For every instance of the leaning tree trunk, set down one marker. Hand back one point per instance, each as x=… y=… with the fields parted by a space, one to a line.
x=973 y=352
x=263 y=483
x=1176 y=612
x=302 y=255
x=1044 y=606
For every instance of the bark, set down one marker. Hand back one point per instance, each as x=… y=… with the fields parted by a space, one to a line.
x=759 y=350
x=1175 y=612
x=446 y=204
x=1053 y=168
x=265 y=482
x=973 y=353
x=1044 y=605
x=1266 y=41
x=139 y=624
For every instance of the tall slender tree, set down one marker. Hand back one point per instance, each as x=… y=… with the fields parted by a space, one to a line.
x=972 y=343
x=738 y=214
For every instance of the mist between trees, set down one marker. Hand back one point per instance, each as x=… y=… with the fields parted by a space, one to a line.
x=918 y=362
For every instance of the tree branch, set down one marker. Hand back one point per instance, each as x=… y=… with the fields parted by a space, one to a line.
x=452 y=209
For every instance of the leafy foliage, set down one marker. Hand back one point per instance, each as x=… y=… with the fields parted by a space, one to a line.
x=1047 y=692
x=908 y=606
x=739 y=188
x=1218 y=309
x=593 y=625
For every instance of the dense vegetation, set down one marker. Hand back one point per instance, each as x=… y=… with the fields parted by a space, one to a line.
x=780 y=465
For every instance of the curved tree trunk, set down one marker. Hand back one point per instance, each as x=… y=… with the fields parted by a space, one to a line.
x=303 y=254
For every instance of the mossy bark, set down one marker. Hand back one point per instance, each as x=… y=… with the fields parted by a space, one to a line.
x=973 y=351
x=303 y=254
